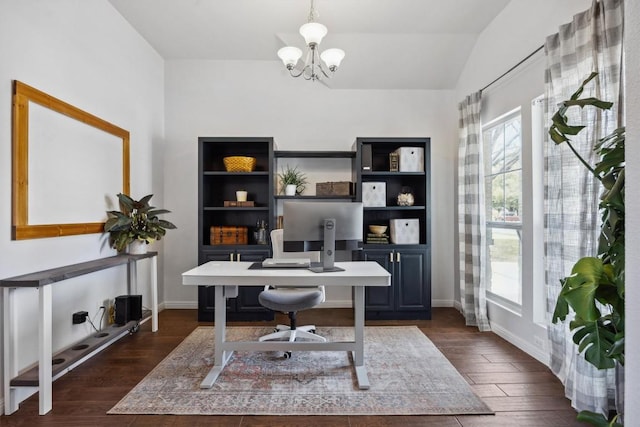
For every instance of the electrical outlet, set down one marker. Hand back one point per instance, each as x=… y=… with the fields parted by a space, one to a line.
x=79 y=317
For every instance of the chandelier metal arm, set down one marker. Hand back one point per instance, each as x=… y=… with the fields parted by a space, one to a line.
x=312 y=63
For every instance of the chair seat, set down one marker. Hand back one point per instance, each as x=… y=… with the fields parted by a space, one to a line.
x=293 y=299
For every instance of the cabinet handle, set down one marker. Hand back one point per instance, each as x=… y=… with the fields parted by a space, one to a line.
x=391 y=257
x=397 y=256
x=231 y=257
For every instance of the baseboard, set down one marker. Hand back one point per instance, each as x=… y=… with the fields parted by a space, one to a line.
x=442 y=303
x=181 y=305
x=532 y=350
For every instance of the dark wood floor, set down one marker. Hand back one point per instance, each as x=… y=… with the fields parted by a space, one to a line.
x=521 y=391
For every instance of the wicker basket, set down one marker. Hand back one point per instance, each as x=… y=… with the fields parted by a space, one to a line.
x=239 y=163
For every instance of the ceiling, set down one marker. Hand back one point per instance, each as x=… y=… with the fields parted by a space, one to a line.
x=389 y=44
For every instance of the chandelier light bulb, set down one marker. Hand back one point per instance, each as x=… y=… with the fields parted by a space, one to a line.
x=313 y=33
x=332 y=57
x=289 y=56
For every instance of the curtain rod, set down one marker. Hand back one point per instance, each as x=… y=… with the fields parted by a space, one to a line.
x=513 y=68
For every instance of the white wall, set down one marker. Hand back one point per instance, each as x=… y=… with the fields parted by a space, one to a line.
x=85 y=53
x=515 y=33
x=632 y=253
x=226 y=98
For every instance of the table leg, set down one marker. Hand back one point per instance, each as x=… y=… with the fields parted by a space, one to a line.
x=358 y=354
x=44 y=350
x=154 y=294
x=221 y=356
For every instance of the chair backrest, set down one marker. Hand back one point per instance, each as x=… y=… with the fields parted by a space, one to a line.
x=278 y=251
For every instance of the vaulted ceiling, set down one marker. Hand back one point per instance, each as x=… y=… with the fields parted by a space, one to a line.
x=389 y=44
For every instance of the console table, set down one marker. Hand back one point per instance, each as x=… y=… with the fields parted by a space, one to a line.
x=19 y=387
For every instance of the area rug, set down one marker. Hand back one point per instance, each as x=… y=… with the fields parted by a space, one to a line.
x=408 y=376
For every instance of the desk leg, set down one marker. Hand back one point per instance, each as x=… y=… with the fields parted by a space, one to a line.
x=221 y=356
x=358 y=354
x=44 y=350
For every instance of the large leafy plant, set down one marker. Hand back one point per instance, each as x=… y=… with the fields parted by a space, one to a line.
x=136 y=220
x=595 y=288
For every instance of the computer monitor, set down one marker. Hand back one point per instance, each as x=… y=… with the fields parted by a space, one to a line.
x=322 y=226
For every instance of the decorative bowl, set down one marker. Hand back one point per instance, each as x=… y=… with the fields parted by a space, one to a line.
x=378 y=229
x=239 y=163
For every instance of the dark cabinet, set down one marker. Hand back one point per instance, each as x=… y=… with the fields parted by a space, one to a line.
x=216 y=188
x=409 y=296
x=246 y=305
x=409 y=263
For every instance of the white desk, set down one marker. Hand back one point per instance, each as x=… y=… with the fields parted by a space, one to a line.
x=226 y=276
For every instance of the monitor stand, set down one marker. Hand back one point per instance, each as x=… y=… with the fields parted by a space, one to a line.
x=329 y=248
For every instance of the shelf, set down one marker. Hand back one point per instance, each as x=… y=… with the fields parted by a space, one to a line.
x=394 y=208
x=47 y=277
x=227 y=209
x=225 y=173
x=67 y=359
x=315 y=154
x=281 y=197
x=393 y=174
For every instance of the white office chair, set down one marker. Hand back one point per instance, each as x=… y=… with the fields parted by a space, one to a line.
x=291 y=300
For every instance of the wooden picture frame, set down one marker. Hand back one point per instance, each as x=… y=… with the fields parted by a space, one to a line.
x=25 y=96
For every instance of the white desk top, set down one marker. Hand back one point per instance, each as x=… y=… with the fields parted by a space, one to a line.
x=221 y=273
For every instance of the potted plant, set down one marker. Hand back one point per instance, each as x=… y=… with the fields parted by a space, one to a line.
x=292 y=181
x=136 y=223
x=595 y=288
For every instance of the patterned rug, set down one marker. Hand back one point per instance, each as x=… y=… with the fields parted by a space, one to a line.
x=408 y=375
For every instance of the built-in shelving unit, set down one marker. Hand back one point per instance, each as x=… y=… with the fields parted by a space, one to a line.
x=409 y=296
x=217 y=185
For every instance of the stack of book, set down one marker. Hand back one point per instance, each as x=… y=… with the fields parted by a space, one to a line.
x=377 y=239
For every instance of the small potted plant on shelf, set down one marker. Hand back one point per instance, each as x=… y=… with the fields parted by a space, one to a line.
x=292 y=181
x=136 y=224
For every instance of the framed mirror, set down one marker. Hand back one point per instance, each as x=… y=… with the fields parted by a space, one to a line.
x=68 y=167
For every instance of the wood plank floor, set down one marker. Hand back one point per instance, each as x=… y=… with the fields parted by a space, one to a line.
x=521 y=391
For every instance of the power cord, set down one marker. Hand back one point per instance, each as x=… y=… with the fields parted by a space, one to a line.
x=102 y=307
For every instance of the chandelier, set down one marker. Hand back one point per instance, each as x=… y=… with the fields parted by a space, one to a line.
x=315 y=63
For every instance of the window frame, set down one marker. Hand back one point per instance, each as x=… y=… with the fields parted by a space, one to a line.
x=497 y=298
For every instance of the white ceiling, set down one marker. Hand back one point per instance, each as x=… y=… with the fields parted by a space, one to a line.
x=389 y=44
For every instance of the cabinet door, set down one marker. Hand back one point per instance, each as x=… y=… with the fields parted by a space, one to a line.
x=247 y=300
x=412 y=287
x=380 y=298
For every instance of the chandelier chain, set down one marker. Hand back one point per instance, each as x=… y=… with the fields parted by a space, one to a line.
x=313 y=13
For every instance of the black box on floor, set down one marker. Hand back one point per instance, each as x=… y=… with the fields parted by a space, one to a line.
x=128 y=307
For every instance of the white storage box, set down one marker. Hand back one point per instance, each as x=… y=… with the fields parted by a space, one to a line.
x=410 y=159
x=405 y=231
x=374 y=194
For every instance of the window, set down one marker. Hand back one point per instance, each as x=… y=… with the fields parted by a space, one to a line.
x=502 y=144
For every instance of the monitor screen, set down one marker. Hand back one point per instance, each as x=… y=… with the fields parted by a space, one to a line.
x=322 y=226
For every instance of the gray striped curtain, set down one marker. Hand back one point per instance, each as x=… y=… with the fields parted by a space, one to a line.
x=471 y=216
x=591 y=42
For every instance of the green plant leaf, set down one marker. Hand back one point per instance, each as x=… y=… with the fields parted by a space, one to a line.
x=580 y=288
x=595 y=340
x=597 y=420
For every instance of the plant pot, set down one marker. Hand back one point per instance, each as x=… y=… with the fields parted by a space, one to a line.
x=290 y=190
x=137 y=247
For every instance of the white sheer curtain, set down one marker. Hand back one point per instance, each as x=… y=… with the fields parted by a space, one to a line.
x=471 y=216
x=591 y=42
